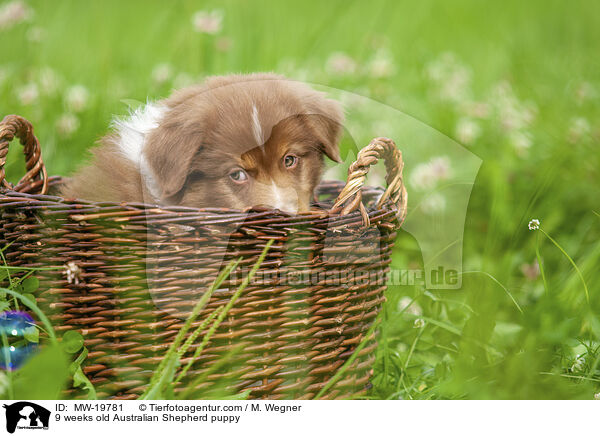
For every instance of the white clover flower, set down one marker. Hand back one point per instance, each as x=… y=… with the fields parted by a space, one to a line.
x=467 y=131
x=433 y=203
x=597 y=396
x=28 y=94
x=520 y=141
x=440 y=166
x=419 y=323
x=404 y=305
x=457 y=87
x=73 y=272
x=513 y=116
x=512 y=113
x=340 y=64
x=578 y=364
x=209 y=22
x=422 y=178
x=426 y=175
x=534 y=224
x=67 y=124
x=438 y=69
x=48 y=80
x=578 y=129
x=77 y=97
x=452 y=78
x=476 y=109
x=162 y=73
x=13 y=13
x=382 y=64
x=380 y=68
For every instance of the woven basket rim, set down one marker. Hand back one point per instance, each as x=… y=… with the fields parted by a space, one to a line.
x=81 y=209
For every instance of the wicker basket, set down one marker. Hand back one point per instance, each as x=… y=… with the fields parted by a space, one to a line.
x=129 y=273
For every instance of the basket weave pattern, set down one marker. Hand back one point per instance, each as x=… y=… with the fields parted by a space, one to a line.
x=127 y=275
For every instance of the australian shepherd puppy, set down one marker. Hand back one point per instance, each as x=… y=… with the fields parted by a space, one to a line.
x=235 y=141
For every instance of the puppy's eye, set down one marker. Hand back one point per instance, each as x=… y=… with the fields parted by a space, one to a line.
x=238 y=176
x=290 y=161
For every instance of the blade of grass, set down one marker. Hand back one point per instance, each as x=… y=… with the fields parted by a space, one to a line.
x=165 y=376
x=587 y=293
x=213 y=368
x=79 y=378
x=441 y=324
x=540 y=263
x=172 y=351
x=455 y=331
x=10 y=280
x=498 y=283
x=166 y=370
x=192 y=339
x=230 y=303
x=578 y=377
x=410 y=353
x=7 y=362
x=27 y=268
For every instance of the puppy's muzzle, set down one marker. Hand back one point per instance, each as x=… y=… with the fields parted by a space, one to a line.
x=284 y=198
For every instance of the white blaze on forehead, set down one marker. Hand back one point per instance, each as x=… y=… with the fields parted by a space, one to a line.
x=256 y=127
x=132 y=132
x=277 y=197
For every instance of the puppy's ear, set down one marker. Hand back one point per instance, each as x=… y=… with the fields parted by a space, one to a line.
x=169 y=152
x=327 y=119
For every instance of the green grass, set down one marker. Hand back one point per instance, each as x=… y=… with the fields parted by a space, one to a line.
x=504 y=334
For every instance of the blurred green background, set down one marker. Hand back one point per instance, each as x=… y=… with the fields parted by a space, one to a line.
x=517 y=83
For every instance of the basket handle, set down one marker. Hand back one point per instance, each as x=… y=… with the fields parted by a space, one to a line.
x=36 y=177
x=350 y=198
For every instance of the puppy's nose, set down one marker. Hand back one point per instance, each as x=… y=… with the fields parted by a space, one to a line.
x=284 y=208
x=288 y=207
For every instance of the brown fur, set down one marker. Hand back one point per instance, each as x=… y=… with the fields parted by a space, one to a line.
x=207 y=131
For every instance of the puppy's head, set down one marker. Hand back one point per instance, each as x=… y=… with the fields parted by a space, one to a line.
x=242 y=141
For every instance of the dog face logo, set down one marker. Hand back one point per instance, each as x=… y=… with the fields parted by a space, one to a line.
x=24 y=414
